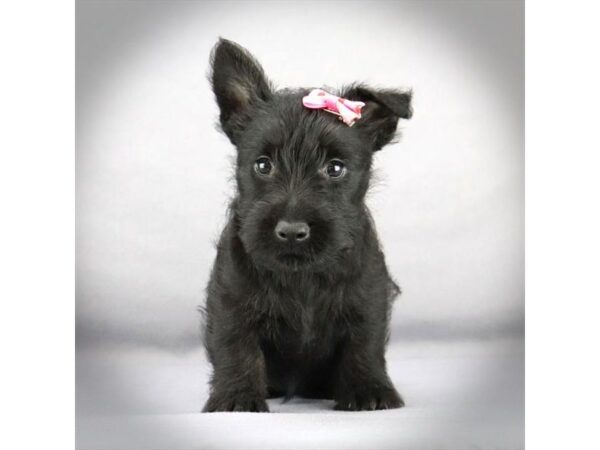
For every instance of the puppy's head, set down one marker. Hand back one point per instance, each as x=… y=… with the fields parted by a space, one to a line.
x=301 y=174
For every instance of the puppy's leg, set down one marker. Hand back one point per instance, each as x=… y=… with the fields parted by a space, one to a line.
x=239 y=375
x=362 y=382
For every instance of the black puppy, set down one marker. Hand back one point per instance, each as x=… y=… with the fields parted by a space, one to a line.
x=299 y=298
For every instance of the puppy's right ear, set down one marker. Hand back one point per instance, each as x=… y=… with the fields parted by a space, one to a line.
x=239 y=84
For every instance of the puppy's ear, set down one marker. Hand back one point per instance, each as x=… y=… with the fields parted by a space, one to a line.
x=381 y=113
x=239 y=84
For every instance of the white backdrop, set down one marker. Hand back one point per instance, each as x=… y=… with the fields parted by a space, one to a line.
x=154 y=176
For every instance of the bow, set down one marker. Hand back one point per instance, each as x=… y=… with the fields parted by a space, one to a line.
x=348 y=110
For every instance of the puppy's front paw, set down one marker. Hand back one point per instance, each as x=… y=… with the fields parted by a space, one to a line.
x=368 y=399
x=226 y=403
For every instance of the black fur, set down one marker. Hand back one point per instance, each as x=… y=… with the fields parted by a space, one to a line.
x=310 y=318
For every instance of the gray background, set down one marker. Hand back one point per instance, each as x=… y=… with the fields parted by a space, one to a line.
x=154 y=178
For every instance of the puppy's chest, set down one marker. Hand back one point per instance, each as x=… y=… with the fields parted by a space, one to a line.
x=298 y=323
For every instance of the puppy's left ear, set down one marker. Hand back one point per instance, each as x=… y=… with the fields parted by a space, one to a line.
x=380 y=115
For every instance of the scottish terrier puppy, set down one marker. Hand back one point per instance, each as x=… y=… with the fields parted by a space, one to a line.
x=299 y=298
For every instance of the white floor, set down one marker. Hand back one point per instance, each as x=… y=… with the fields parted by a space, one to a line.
x=459 y=395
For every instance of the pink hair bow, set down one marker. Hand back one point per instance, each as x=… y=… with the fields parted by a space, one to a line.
x=348 y=110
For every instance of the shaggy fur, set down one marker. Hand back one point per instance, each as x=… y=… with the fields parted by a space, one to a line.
x=306 y=317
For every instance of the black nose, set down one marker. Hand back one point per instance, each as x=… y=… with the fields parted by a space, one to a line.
x=292 y=232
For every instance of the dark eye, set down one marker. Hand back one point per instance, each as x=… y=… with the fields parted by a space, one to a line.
x=263 y=165
x=335 y=169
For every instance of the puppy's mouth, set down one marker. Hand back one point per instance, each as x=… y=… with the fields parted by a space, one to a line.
x=292 y=259
x=295 y=261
